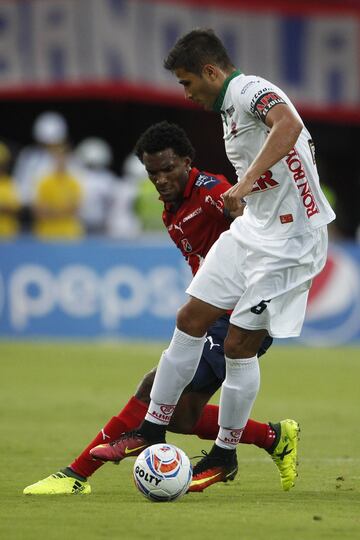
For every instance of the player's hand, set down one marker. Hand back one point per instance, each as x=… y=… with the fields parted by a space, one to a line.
x=239 y=212
x=233 y=196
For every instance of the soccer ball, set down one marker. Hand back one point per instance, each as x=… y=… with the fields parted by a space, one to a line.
x=162 y=472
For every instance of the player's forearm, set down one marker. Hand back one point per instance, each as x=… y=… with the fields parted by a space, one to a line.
x=282 y=138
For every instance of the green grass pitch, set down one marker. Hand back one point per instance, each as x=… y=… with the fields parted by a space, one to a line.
x=55 y=397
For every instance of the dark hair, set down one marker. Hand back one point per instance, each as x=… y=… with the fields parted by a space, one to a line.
x=161 y=136
x=196 y=49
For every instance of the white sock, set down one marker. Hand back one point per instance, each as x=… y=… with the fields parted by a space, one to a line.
x=176 y=369
x=238 y=393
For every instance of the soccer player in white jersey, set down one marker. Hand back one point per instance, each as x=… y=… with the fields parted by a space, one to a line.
x=261 y=268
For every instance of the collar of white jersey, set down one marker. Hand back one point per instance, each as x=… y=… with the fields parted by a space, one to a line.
x=220 y=99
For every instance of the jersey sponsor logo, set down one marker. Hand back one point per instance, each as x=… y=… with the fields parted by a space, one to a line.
x=219 y=204
x=193 y=214
x=186 y=245
x=203 y=180
x=297 y=172
x=264 y=104
x=265 y=182
x=286 y=218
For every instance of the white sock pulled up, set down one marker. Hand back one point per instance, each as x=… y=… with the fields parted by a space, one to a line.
x=176 y=368
x=238 y=394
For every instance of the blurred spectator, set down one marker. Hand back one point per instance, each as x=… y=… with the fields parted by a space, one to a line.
x=147 y=206
x=49 y=132
x=122 y=221
x=9 y=198
x=94 y=157
x=57 y=201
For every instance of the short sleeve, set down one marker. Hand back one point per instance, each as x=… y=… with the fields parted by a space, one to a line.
x=211 y=193
x=258 y=97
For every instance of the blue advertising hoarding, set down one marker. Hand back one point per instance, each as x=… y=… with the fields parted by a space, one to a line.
x=333 y=311
x=93 y=288
x=105 y=289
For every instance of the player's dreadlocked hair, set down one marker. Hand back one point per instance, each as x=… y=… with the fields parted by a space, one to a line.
x=196 y=49
x=161 y=136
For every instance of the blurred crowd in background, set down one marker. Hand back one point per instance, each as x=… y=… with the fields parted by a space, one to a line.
x=56 y=191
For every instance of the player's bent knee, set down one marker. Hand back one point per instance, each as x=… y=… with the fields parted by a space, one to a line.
x=234 y=350
x=195 y=317
x=187 y=323
x=143 y=391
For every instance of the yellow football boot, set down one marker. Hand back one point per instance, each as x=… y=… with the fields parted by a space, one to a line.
x=58 y=484
x=284 y=451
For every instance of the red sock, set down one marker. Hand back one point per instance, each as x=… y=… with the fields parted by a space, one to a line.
x=129 y=418
x=261 y=435
x=207 y=426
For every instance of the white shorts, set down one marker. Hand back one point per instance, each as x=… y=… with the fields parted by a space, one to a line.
x=265 y=284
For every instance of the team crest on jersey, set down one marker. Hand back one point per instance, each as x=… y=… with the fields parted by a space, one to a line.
x=204 y=180
x=186 y=245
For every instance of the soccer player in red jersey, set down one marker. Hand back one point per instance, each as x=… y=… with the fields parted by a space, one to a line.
x=194 y=217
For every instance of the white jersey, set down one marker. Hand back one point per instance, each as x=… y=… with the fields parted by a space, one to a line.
x=287 y=200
